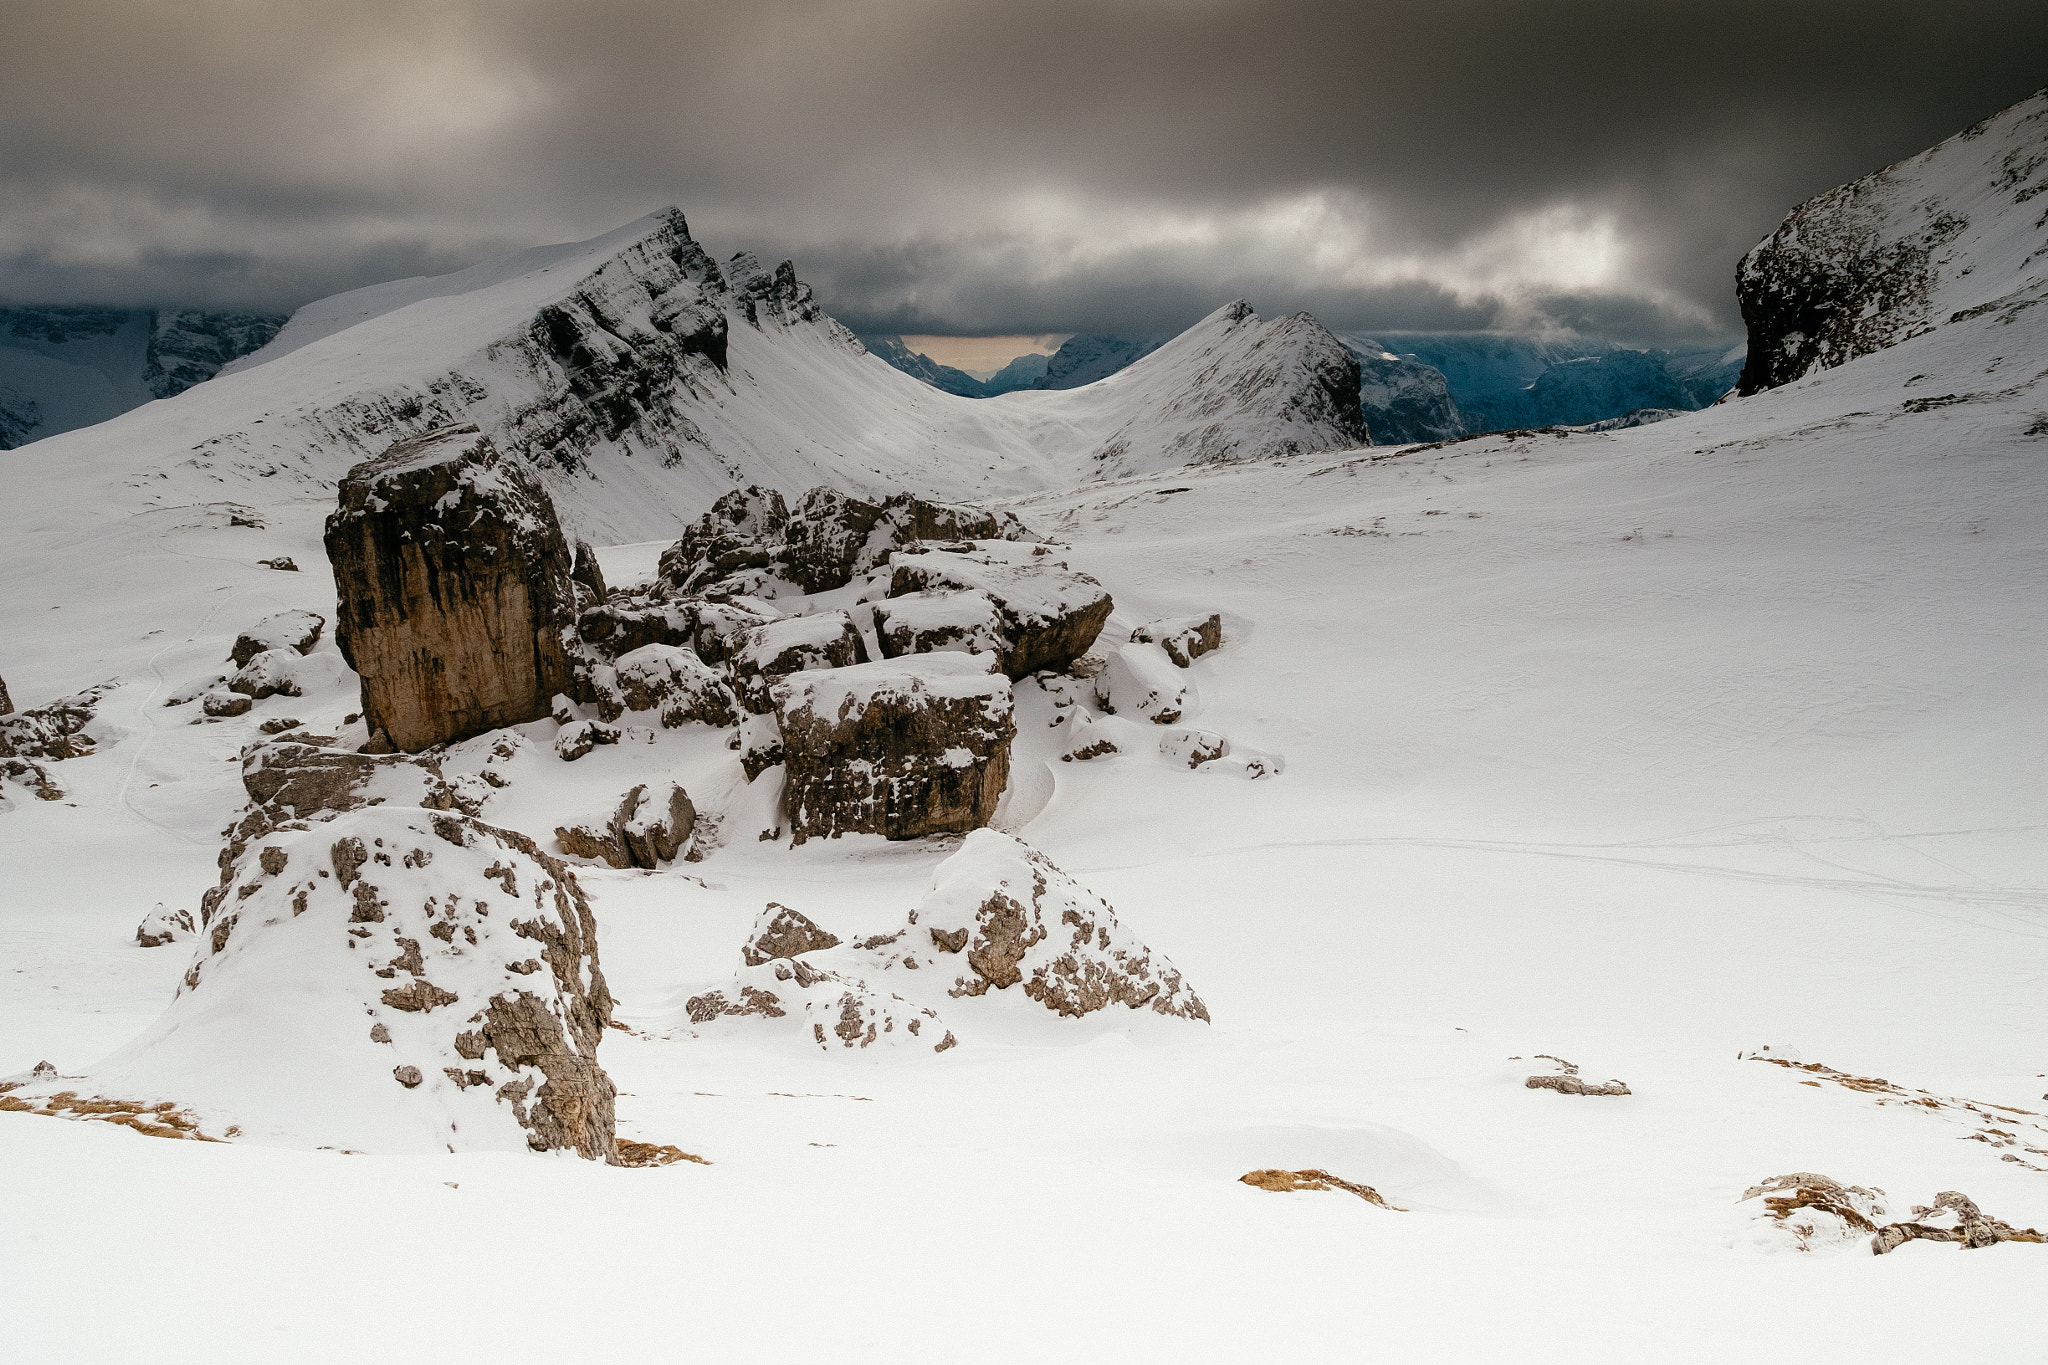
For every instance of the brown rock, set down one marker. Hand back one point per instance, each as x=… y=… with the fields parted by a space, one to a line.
x=1953 y=1217
x=902 y=748
x=298 y=631
x=782 y=932
x=773 y=651
x=1185 y=638
x=640 y=833
x=6 y=702
x=454 y=590
x=1030 y=926
x=587 y=570
x=1571 y=1083
x=1285 y=1182
x=1050 y=613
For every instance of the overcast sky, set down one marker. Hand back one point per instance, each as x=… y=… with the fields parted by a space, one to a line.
x=1015 y=166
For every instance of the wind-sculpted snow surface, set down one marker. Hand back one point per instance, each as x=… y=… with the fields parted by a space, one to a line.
x=1950 y=234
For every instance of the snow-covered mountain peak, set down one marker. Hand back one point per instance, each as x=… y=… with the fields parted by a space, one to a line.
x=1941 y=237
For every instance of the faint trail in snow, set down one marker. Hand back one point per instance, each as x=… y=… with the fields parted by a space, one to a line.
x=146 y=710
x=2001 y=900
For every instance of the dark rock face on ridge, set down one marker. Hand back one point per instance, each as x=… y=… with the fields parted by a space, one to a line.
x=1939 y=238
x=453 y=586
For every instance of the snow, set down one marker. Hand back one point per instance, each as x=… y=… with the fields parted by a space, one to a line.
x=1646 y=748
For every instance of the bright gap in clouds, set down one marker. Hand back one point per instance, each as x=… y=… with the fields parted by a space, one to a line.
x=983 y=356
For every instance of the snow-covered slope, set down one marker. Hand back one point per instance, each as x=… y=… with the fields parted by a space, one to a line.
x=1951 y=234
x=1676 y=751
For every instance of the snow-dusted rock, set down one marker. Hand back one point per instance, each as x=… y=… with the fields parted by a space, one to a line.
x=677 y=684
x=1184 y=638
x=1944 y=236
x=389 y=980
x=737 y=533
x=900 y=747
x=1140 y=681
x=579 y=737
x=1808 y=1212
x=922 y=622
x=56 y=730
x=293 y=779
x=1953 y=1217
x=454 y=589
x=830 y=1010
x=999 y=915
x=773 y=651
x=1193 y=747
x=1049 y=612
x=272 y=673
x=161 y=926
x=644 y=831
x=6 y=702
x=832 y=536
x=780 y=931
x=297 y=631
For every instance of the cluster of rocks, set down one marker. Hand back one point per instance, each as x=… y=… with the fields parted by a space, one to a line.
x=1819 y=1213
x=32 y=739
x=999 y=921
x=892 y=713
x=1567 y=1080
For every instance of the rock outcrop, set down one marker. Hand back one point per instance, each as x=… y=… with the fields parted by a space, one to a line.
x=901 y=748
x=1404 y=401
x=643 y=832
x=1953 y=1217
x=1568 y=1081
x=827 y=1009
x=782 y=932
x=1000 y=915
x=1944 y=236
x=297 y=631
x=1184 y=638
x=6 y=702
x=772 y=652
x=54 y=731
x=1049 y=613
x=389 y=980
x=454 y=590
x=750 y=541
x=161 y=926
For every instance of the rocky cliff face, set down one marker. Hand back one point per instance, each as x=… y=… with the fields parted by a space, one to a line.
x=453 y=589
x=1947 y=235
x=1404 y=401
x=62 y=368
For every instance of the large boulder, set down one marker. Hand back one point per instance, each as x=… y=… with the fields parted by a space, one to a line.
x=1000 y=915
x=1050 y=613
x=389 y=980
x=454 y=590
x=774 y=651
x=298 y=631
x=643 y=832
x=926 y=622
x=902 y=747
x=677 y=685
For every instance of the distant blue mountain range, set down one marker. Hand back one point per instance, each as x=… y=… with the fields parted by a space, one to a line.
x=1418 y=386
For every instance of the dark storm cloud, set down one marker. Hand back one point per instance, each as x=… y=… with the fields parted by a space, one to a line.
x=1000 y=168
